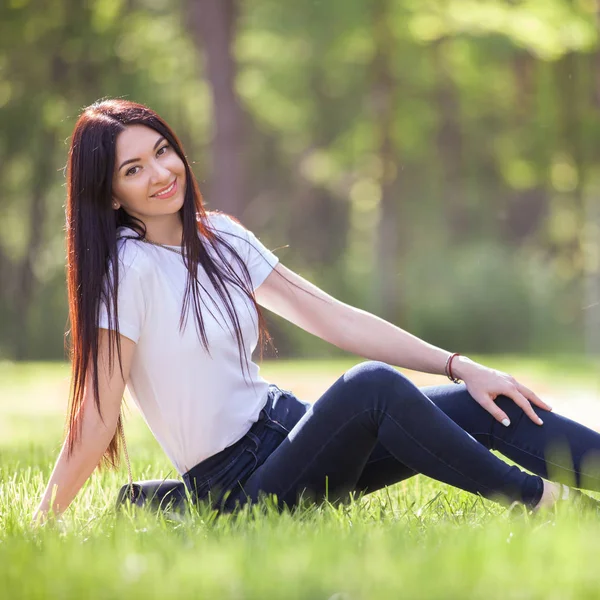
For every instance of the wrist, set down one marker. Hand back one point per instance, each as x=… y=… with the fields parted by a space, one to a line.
x=462 y=366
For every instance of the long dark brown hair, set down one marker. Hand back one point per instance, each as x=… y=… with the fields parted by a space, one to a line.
x=92 y=252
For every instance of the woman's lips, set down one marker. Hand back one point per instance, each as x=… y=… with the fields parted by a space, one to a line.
x=168 y=194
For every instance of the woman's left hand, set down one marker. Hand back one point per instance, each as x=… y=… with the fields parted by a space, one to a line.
x=485 y=385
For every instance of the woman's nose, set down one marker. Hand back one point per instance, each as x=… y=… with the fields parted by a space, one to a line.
x=160 y=174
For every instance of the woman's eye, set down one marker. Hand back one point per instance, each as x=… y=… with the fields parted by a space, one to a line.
x=159 y=152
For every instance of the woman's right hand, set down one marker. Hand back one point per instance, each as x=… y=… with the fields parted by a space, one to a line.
x=44 y=518
x=40 y=517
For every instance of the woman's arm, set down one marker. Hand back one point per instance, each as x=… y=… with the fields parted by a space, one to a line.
x=367 y=335
x=70 y=473
x=345 y=326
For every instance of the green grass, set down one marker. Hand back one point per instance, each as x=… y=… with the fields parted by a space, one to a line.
x=416 y=539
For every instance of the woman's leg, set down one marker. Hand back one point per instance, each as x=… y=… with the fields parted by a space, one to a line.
x=560 y=450
x=326 y=452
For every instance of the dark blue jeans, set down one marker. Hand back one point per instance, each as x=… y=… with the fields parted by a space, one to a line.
x=373 y=427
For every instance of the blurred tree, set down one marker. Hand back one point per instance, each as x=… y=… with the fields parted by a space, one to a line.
x=434 y=162
x=55 y=59
x=386 y=294
x=213 y=27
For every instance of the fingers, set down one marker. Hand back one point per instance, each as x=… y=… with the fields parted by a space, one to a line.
x=488 y=404
x=519 y=399
x=532 y=397
x=513 y=393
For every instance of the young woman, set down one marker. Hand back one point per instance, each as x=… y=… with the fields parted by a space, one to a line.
x=143 y=254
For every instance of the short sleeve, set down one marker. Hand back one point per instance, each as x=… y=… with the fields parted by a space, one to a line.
x=130 y=303
x=259 y=260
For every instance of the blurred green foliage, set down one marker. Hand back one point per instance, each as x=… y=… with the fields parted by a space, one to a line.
x=434 y=162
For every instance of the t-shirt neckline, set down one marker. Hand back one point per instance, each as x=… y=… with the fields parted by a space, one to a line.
x=124 y=228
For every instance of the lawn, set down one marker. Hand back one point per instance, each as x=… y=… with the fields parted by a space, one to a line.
x=416 y=539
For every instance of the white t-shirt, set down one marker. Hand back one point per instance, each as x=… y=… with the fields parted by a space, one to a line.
x=194 y=404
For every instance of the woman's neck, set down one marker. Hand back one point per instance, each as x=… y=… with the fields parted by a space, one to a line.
x=168 y=232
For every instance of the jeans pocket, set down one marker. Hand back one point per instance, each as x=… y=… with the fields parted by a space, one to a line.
x=202 y=479
x=229 y=480
x=285 y=411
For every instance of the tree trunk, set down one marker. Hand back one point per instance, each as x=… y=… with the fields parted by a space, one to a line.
x=26 y=281
x=449 y=142
x=526 y=209
x=212 y=23
x=386 y=289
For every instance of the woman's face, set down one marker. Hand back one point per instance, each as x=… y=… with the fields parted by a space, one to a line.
x=149 y=178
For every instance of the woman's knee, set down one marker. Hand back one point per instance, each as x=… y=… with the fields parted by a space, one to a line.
x=375 y=373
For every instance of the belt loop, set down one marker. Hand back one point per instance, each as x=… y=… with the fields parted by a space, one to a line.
x=254 y=438
x=274 y=395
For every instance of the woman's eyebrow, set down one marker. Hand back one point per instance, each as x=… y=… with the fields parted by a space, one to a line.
x=130 y=160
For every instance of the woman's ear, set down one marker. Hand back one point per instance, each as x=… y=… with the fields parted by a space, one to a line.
x=115 y=204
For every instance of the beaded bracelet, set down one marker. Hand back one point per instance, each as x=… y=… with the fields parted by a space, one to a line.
x=448 y=368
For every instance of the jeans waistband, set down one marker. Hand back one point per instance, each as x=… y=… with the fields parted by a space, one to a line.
x=208 y=467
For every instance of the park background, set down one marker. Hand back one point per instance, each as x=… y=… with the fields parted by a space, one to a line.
x=434 y=162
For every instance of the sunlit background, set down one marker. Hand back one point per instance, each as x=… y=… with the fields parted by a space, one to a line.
x=434 y=162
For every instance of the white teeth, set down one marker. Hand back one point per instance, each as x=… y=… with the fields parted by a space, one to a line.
x=166 y=191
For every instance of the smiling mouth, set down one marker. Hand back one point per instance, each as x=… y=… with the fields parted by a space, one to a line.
x=166 y=191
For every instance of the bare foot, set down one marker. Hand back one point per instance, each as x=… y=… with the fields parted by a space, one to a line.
x=552 y=493
x=555 y=492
